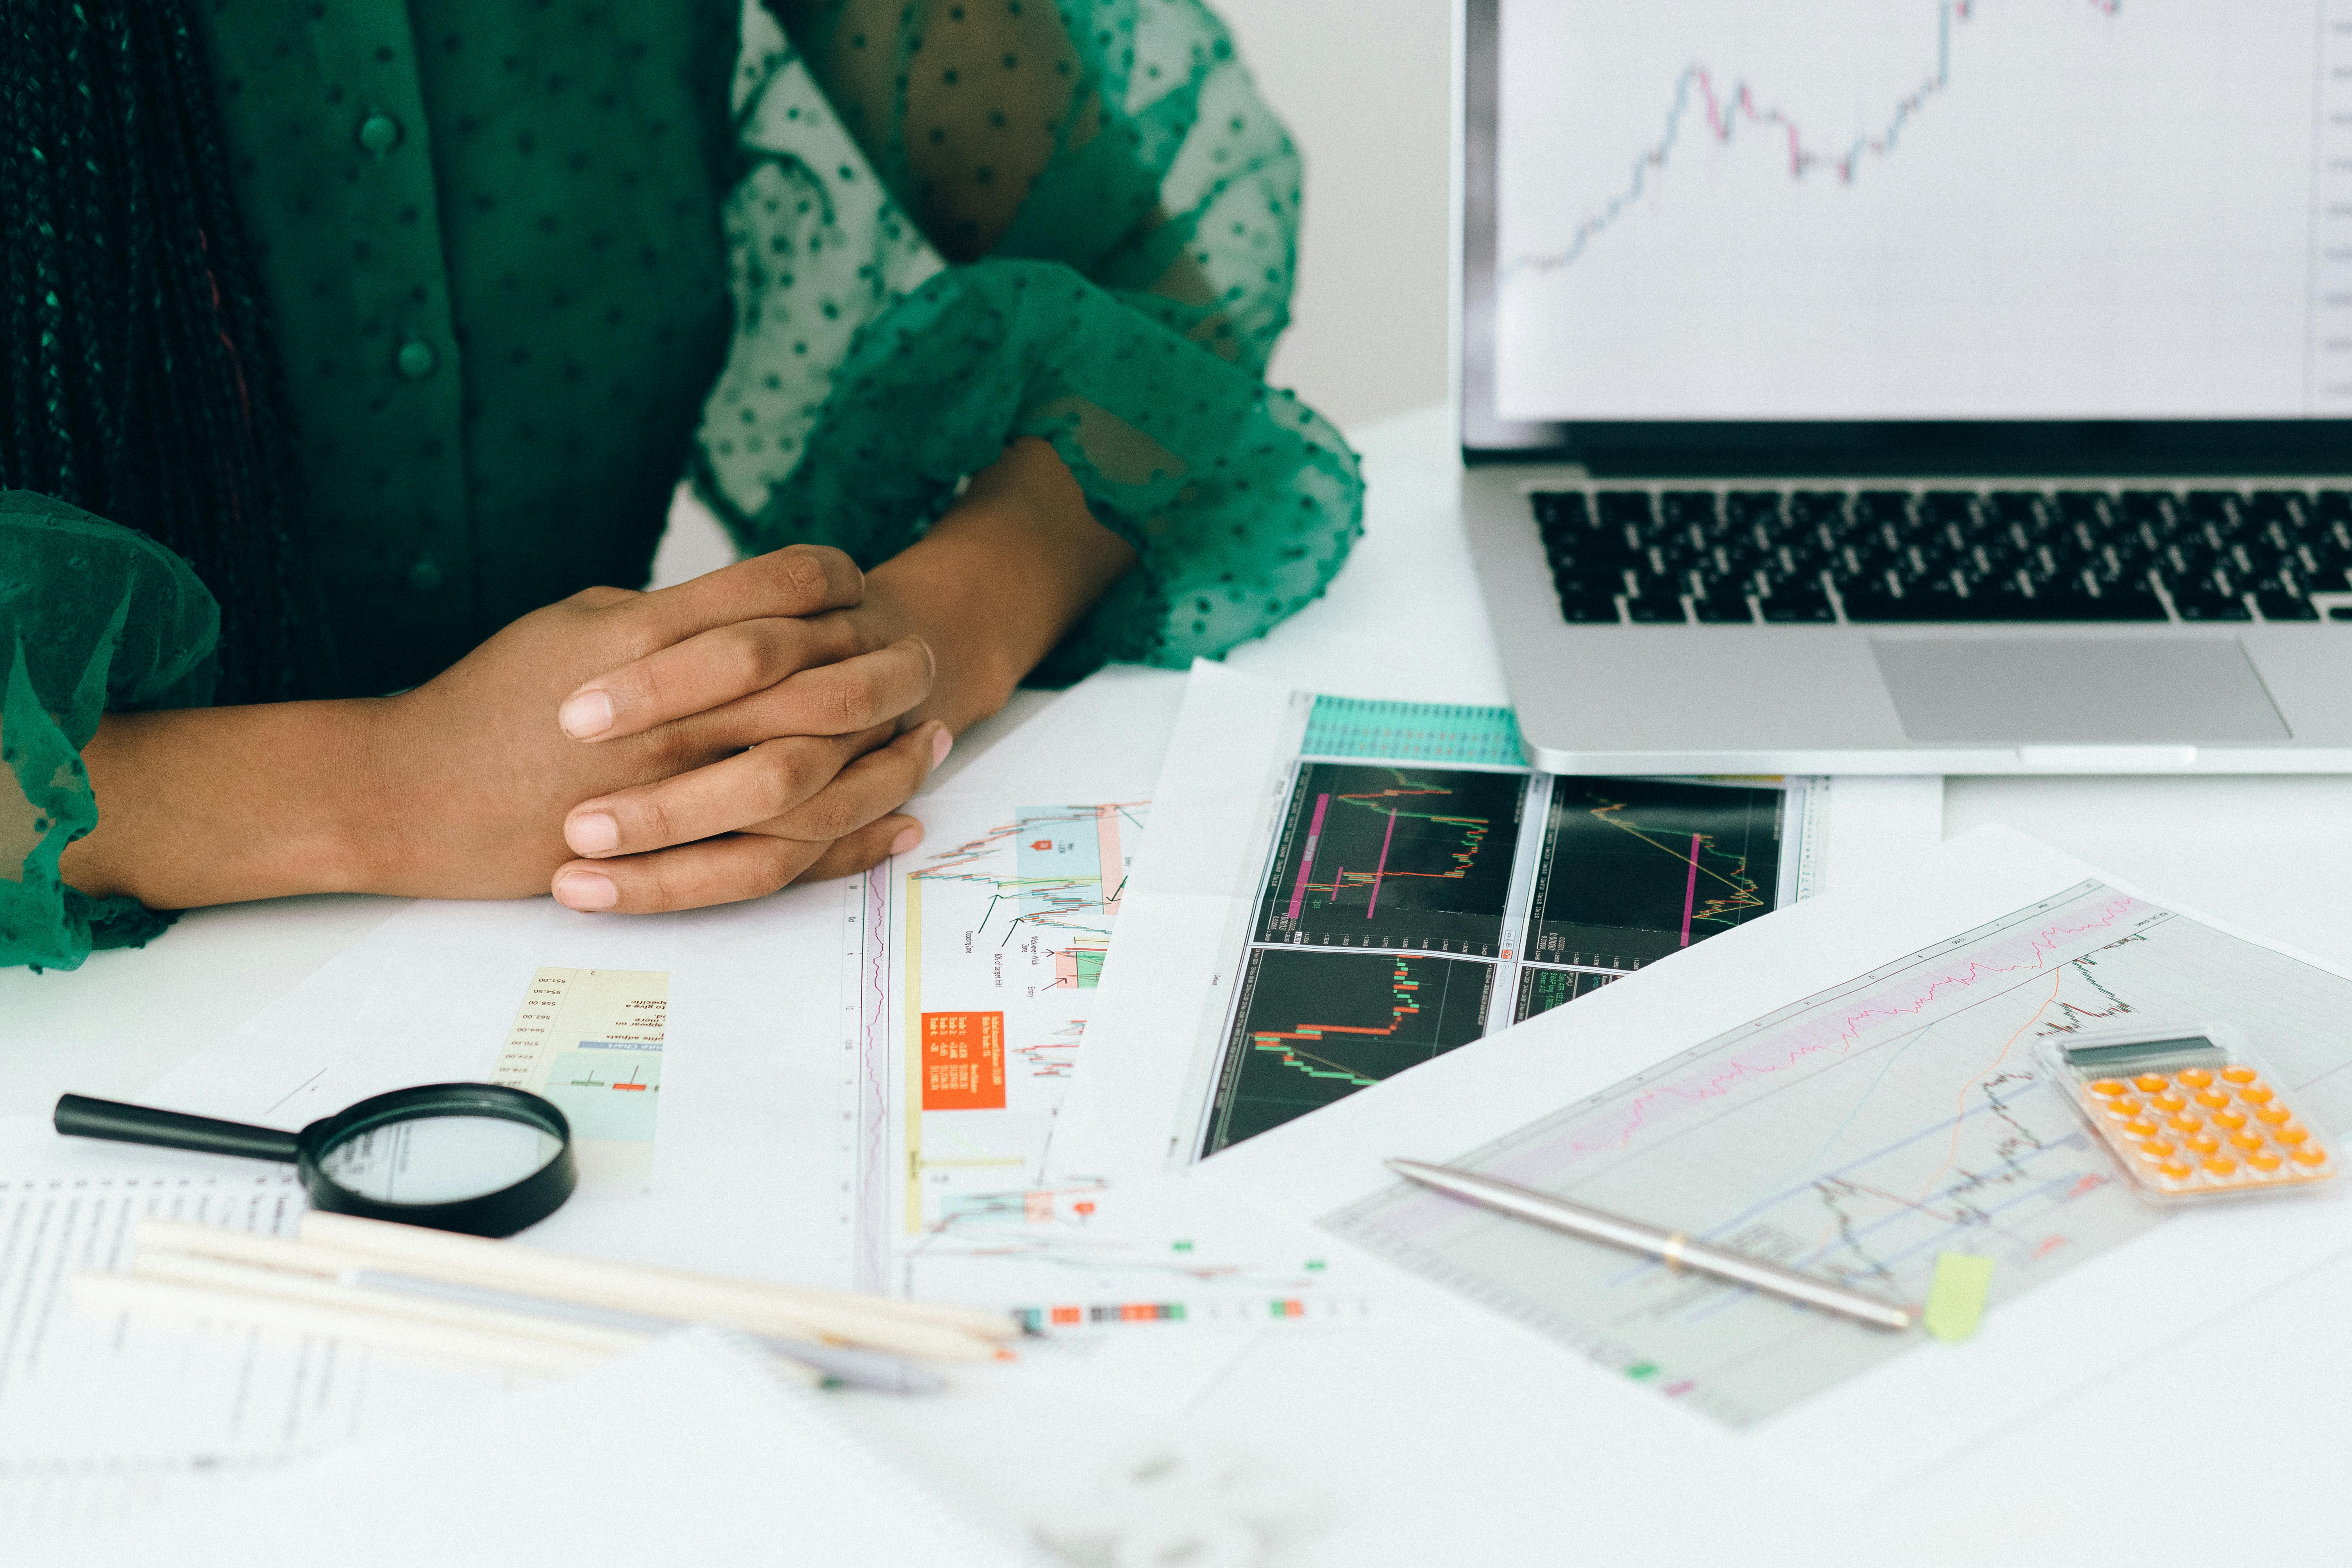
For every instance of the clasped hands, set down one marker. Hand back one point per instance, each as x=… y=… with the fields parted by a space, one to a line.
x=632 y=752
x=696 y=745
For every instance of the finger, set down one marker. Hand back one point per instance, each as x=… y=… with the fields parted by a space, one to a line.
x=832 y=700
x=896 y=834
x=714 y=871
x=734 y=793
x=798 y=580
x=705 y=671
x=878 y=783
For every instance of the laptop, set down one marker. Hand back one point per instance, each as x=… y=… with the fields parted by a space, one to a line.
x=1911 y=386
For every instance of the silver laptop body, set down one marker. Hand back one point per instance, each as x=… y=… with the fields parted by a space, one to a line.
x=1806 y=566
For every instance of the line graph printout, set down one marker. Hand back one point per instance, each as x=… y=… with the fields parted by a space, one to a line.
x=1854 y=209
x=1856 y=1133
x=997 y=942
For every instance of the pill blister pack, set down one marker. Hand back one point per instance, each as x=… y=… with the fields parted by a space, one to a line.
x=2191 y=1115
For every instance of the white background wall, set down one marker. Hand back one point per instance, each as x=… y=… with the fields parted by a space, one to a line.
x=1366 y=88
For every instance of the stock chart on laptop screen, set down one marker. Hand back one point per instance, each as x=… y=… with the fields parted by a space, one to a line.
x=1970 y=209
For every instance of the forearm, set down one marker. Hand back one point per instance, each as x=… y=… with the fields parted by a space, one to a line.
x=997 y=582
x=211 y=806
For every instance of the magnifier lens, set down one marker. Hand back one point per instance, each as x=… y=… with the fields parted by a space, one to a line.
x=437 y=1159
x=479 y=1158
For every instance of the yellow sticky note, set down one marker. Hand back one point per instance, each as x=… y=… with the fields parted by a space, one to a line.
x=1955 y=1301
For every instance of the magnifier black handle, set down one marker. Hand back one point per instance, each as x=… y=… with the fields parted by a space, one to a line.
x=79 y=1116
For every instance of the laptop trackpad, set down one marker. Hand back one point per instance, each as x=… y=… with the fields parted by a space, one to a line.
x=2022 y=690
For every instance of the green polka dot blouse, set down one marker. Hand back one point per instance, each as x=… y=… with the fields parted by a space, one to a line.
x=531 y=261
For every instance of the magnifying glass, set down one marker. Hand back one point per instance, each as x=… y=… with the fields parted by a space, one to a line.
x=473 y=1157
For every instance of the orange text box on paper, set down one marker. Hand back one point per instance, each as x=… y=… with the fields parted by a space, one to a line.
x=963 y=1061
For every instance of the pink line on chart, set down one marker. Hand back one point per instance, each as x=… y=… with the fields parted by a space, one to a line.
x=1374 y=902
x=1690 y=890
x=1307 y=861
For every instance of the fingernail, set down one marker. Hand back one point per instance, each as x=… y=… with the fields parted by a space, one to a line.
x=592 y=834
x=586 y=890
x=942 y=744
x=906 y=841
x=586 y=714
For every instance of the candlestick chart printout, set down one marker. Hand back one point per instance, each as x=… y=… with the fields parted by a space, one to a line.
x=1395 y=856
x=1315 y=1028
x=1635 y=869
x=1858 y=209
x=1855 y=1134
x=1406 y=909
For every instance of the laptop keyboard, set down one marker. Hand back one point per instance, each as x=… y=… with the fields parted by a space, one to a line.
x=1741 y=556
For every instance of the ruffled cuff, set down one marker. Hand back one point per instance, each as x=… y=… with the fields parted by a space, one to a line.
x=1241 y=502
x=92 y=616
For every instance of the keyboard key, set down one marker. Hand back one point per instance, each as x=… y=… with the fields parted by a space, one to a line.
x=1626 y=512
x=1795 y=600
x=1723 y=605
x=2210 y=596
x=2280 y=604
x=1687 y=509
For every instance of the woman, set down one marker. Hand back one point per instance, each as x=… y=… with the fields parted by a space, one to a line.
x=388 y=325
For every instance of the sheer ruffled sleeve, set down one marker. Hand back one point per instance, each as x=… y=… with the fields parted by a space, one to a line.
x=969 y=222
x=93 y=617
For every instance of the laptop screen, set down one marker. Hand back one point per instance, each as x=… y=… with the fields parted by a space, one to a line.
x=1972 y=213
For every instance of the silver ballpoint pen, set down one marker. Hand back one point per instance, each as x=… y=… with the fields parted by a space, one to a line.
x=1670 y=1247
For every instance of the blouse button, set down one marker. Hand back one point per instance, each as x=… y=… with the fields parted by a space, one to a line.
x=379 y=134
x=425 y=576
x=416 y=359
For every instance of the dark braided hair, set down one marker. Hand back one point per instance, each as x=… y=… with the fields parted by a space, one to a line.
x=142 y=380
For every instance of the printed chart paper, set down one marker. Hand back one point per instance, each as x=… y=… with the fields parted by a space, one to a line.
x=1339 y=890
x=978 y=960
x=1850 y=1088
x=103 y=1415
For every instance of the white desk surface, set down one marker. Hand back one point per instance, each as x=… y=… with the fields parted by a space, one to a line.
x=1420 y=1451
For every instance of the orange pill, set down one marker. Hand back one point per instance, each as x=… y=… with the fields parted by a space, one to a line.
x=2262 y=1160
x=2238 y=1074
x=2168 y=1101
x=2212 y=1098
x=2290 y=1133
x=2205 y=1143
x=2185 y=1122
x=2255 y=1094
x=2155 y=1149
x=2309 y=1154
x=2120 y=1108
x=2151 y=1082
x=2272 y=1114
x=2196 y=1078
x=2232 y=1120
x=2220 y=1165
x=2141 y=1127
x=2108 y=1086
x=2246 y=1143
x=2179 y=1170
